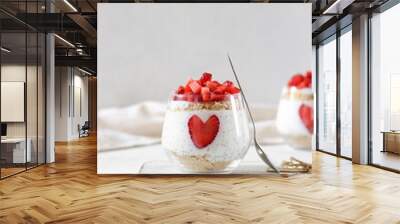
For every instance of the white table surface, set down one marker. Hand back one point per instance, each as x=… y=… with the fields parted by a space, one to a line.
x=131 y=160
x=13 y=140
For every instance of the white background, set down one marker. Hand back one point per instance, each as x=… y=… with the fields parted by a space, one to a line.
x=146 y=50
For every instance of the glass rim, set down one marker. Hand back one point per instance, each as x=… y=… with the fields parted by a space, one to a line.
x=196 y=98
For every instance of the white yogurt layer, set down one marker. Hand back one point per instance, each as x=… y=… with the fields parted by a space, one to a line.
x=231 y=142
x=288 y=120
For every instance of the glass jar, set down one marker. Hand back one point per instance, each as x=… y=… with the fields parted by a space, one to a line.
x=206 y=137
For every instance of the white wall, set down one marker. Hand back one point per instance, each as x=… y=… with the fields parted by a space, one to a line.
x=61 y=103
x=68 y=82
x=81 y=84
x=16 y=72
x=147 y=50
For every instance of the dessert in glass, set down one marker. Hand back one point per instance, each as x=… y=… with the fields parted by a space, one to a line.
x=295 y=119
x=206 y=127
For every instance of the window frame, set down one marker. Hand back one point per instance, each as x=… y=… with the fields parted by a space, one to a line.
x=334 y=37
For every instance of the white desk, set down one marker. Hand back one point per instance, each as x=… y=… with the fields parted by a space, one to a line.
x=18 y=149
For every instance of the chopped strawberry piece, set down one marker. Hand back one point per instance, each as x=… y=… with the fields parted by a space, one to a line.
x=216 y=82
x=205 y=78
x=195 y=86
x=188 y=90
x=308 y=74
x=220 y=89
x=190 y=98
x=308 y=80
x=197 y=98
x=297 y=79
x=233 y=90
x=217 y=97
x=205 y=94
x=205 y=90
x=189 y=81
x=227 y=83
x=193 y=97
x=212 y=85
x=302 y=85
x=180 y=90
x=180 y=97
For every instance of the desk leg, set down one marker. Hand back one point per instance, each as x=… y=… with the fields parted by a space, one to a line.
x=384 y=142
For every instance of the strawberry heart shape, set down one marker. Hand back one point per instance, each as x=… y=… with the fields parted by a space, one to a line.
x=203 y=134
x=307 y=117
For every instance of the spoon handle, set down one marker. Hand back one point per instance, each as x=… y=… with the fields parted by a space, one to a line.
x=260 y=151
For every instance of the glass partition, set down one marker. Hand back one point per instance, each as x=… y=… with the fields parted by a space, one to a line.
x=13 y=145
x=41 y=97
x=385 y=89
x=346 y=93
x=327 y=96
x=32 y=95
x=22 y=101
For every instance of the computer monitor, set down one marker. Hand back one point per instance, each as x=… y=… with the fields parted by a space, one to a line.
x=3 y=129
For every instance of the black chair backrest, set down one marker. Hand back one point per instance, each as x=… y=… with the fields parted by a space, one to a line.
x=86 y=125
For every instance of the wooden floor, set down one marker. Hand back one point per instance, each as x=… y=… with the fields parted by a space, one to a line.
x=70 y=191
x=387 y=159
x=5 y=172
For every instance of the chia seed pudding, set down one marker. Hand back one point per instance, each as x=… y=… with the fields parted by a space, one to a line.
x=206 y=135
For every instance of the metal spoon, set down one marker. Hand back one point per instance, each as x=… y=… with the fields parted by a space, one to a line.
x=259 y=150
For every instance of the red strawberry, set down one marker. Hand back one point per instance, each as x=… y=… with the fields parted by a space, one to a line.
x=308 y=74
x=195 y=86
x=180 y=90
x=307 y=79
x=205 y=78
x=233 y=90
x=190 y=98
x=205 y=89
x=193 y=97
x=297 y=79
x=215 y=81
x=302 y=85
x=307 y=117
x=227 y=83
x=188 y=90
x=217 y=97
x=203 y=134
x=205 y=94
x=220 y=89
x=180 y=97
x=212 y=85
x=189 y=81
